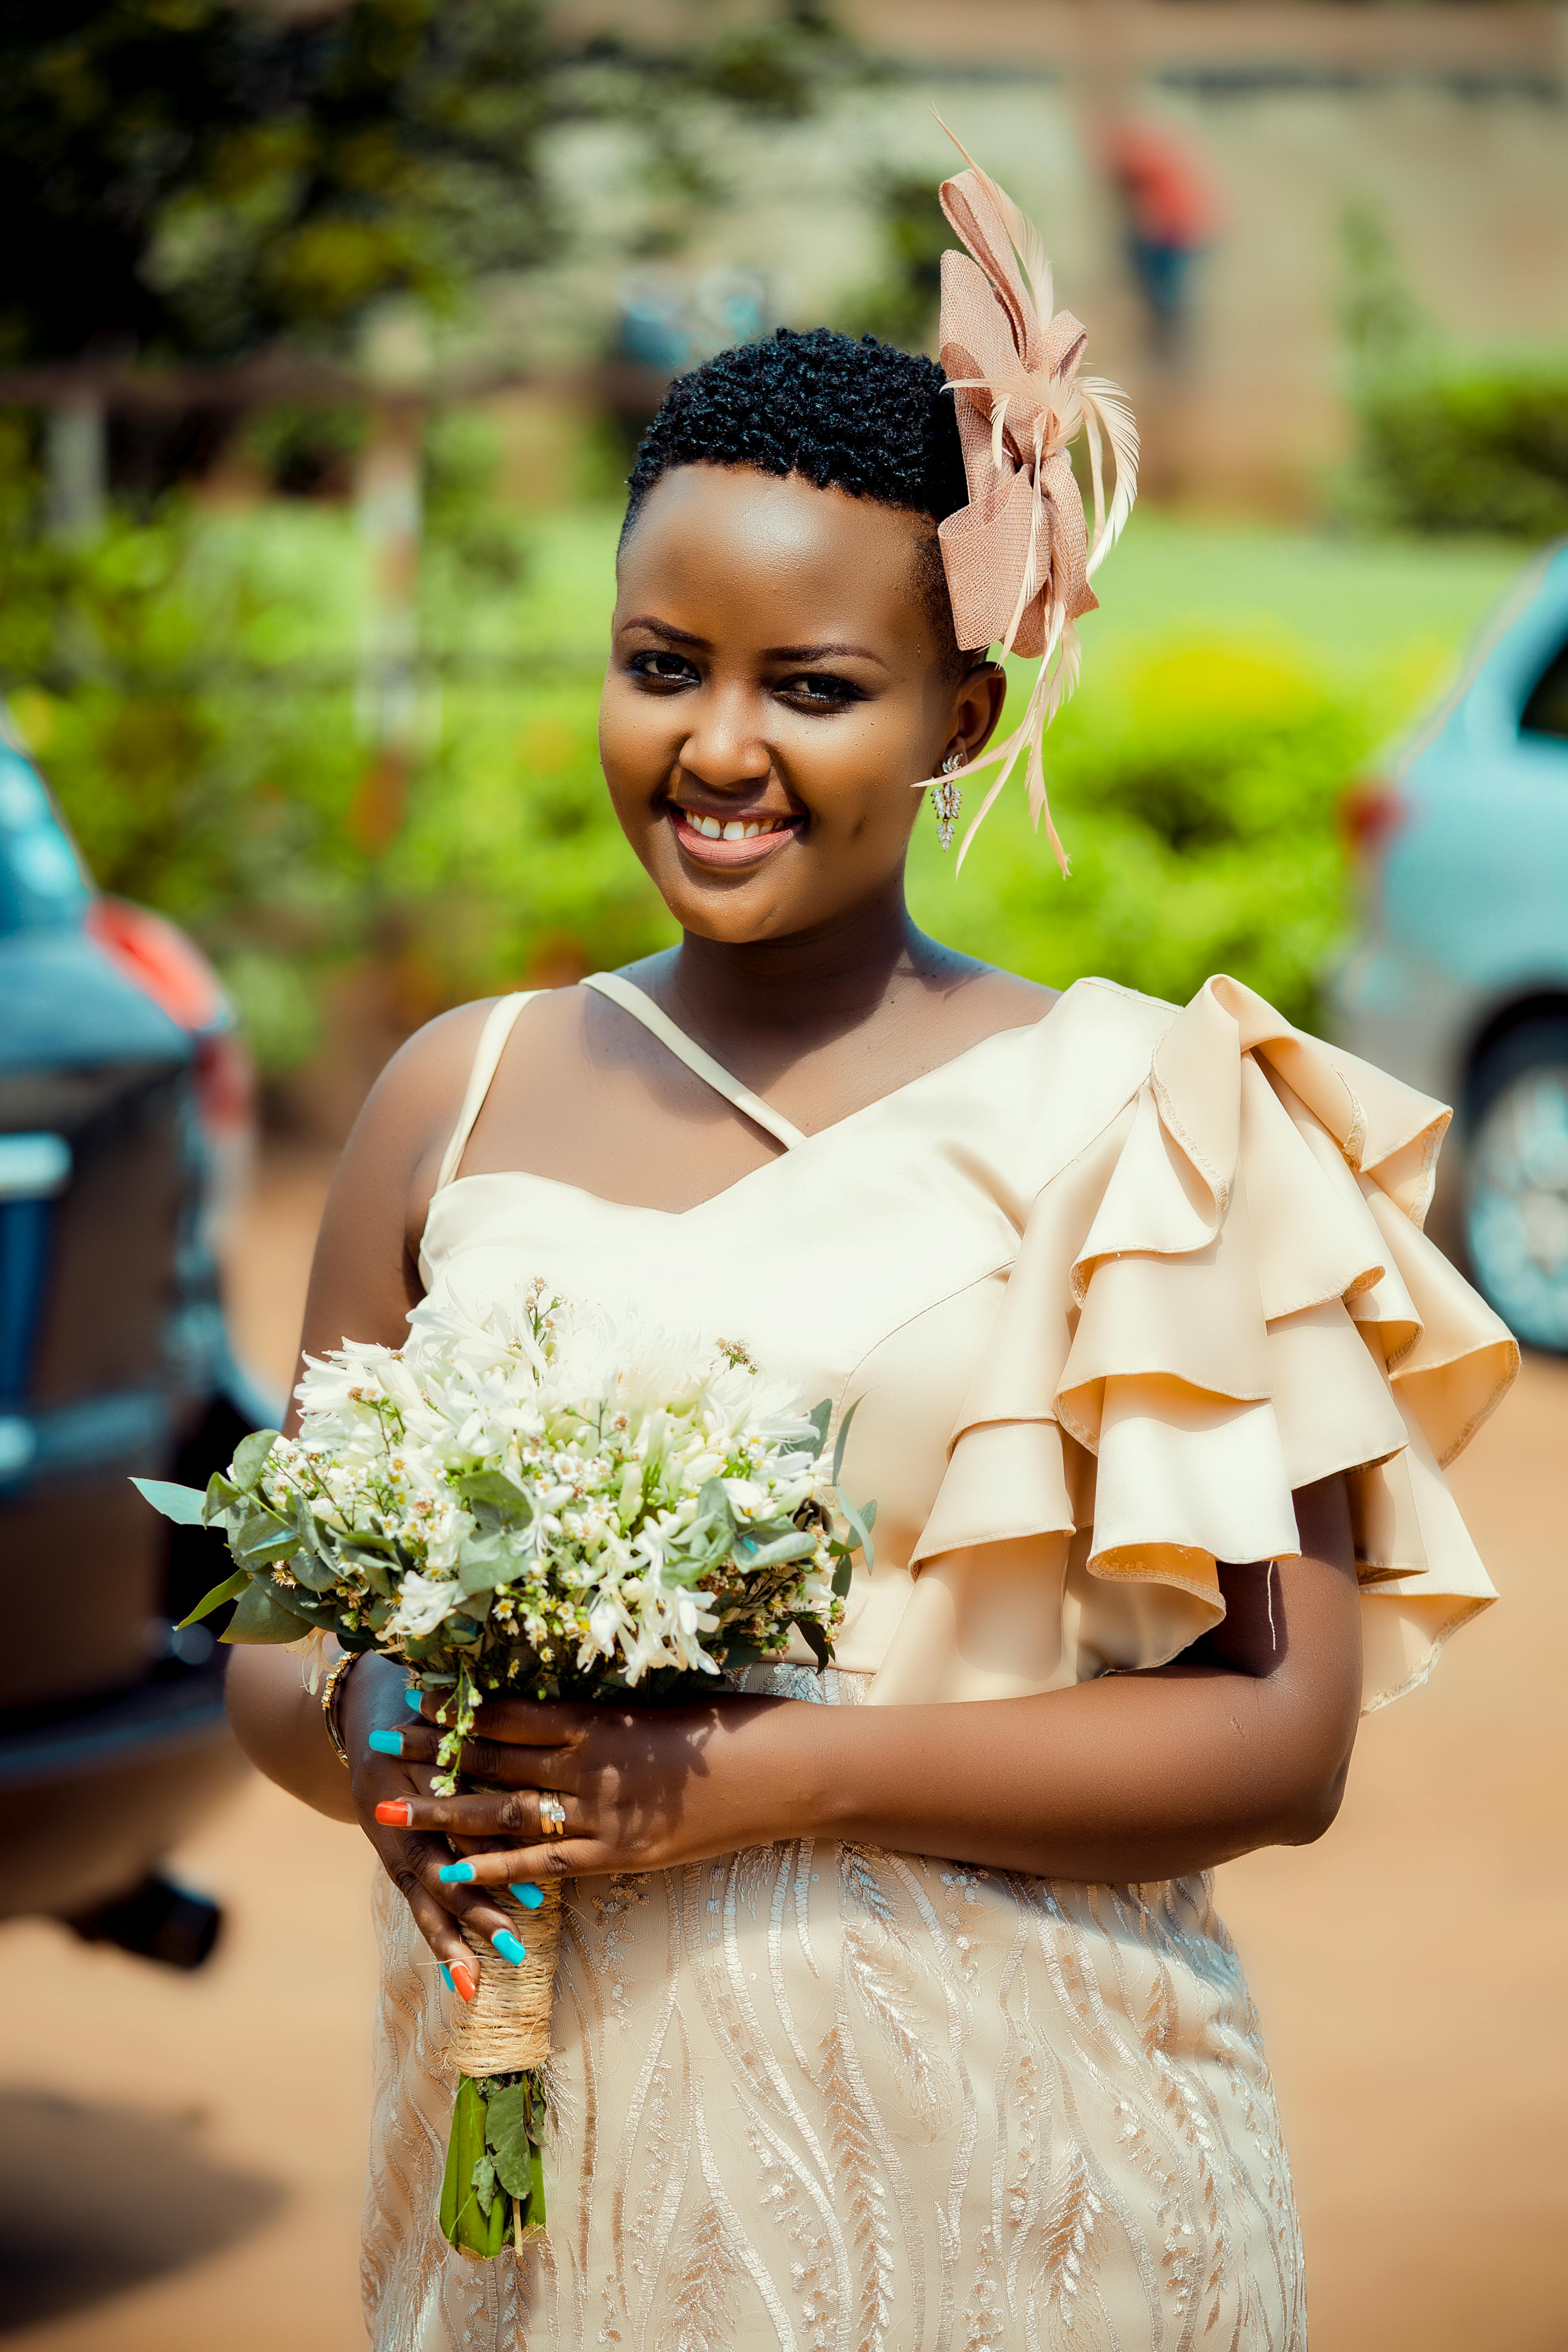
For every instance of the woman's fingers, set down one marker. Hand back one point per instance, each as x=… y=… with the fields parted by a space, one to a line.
x=442 y=1908
x=518 y=1867
x=514 y=1722
x=511 y=1815
x=495 y=1763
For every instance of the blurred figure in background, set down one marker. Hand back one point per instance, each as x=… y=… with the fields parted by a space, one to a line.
x=1172 y=213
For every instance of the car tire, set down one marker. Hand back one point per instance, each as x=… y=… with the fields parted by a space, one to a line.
x=1516 y=1180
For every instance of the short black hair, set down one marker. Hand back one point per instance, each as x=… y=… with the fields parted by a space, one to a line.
x=863 y=417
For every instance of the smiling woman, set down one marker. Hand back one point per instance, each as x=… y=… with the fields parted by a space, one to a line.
x=892 y=2008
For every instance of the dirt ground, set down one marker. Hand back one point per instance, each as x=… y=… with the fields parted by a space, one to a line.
x=180 y=2160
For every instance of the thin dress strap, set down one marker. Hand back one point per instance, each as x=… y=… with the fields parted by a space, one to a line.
x=486 y=1053
x=631 y=999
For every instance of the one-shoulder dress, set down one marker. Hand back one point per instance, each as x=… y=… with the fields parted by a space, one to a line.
x=1107 y=1288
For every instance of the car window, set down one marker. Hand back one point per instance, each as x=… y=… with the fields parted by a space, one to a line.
x=1546 y=712
x=42 y=885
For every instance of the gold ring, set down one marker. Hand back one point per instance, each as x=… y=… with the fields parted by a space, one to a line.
x=552 y=1816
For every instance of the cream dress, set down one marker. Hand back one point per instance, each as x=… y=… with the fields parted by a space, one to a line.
x=1107 y=1287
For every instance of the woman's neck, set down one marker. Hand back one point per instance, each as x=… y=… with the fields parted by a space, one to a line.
x=812 y=985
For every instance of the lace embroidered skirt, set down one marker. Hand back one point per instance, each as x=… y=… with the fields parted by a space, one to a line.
x=824 y=2098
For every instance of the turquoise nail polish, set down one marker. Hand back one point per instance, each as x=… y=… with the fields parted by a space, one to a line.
x=509 y=1947
x=385 y=1743
x=528 y=1895
x=447 y=1972
x=413 y=1696
x=455 y=1874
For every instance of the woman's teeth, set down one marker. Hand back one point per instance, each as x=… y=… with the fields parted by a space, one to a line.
x=736 y=830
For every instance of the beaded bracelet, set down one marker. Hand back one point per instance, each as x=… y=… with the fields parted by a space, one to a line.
x=331 y=1692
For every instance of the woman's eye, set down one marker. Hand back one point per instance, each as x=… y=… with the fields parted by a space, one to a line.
x=662 y=669
x=821 y=687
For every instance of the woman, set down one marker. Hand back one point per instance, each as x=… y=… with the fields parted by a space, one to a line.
x=893 y=2010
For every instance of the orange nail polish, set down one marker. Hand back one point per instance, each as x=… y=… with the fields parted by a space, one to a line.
x=394 y=1813
x=463 y=1983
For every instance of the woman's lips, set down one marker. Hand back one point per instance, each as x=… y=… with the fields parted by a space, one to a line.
x=705 y=851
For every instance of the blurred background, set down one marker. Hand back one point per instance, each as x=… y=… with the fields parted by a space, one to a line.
x=327 y=333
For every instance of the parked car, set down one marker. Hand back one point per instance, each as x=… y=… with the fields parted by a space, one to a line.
x=1460 y=981
x=125 y=1113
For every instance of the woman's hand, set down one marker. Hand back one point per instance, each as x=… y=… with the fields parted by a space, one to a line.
x=642 y=1788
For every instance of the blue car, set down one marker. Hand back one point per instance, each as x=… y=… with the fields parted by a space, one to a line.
x=124 y=1106
x=1460 y=981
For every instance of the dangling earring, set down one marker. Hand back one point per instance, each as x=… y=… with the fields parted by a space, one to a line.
x=947 y=800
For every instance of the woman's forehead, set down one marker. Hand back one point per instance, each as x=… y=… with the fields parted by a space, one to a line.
x=735 y=539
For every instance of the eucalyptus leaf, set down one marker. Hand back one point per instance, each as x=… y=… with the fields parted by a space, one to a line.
x=794 y=1546
x=221 y=1492
x=486 y=1564
x=258 y=1535
x=842 y=1577
x=860 y=1526
x=497 y=1493
x=712 y=1503
x=819 y=1417
x=250 y=1457
x=508 y=2120
x=262 y=1618
x=229 y=1590
x=844 y=1429
x=183 y=1505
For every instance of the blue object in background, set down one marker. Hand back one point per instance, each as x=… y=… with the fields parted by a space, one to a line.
x=1460 y=982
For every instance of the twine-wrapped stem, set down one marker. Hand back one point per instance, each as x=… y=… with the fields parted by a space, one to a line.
x=505 y=2028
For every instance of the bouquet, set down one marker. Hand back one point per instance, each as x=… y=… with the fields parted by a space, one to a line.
x=549 y=1505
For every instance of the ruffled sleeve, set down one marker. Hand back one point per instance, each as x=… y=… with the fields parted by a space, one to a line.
x=1228 y=1296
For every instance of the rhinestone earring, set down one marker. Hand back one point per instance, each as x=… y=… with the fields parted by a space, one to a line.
x=947 y=800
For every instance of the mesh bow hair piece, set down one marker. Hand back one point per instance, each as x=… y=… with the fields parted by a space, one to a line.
x=1019 y=557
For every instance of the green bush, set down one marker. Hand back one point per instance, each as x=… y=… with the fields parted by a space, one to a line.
x=1195 y=795
x=1471 y=448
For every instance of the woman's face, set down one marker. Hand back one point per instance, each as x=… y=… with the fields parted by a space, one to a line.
x=776 y=689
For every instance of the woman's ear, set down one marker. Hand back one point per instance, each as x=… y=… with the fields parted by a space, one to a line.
x=977 y=705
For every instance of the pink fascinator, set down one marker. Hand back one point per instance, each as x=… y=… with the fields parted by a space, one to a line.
x=1019 y=557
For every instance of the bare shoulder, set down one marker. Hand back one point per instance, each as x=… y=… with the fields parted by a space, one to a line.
x=982 y=998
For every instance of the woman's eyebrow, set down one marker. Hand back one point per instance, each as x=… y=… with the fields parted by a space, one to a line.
x=823 y=653
x=666 y=629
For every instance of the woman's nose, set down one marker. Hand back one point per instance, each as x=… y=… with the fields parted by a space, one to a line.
x=725 y=746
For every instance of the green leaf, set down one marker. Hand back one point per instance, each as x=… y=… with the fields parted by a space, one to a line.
x=844 y=1429
x=794 y=1546
x=485 y=2185
x=498 y=1492
x=258 y=1535
x=712 y=1503
x=860 y=1525
x=842 y=1577
x=509 y=2138
x=221 y=1492
x=486 y=1564
x=261 y=1617
x=819 y=1416
x=815 y=1640
x=316 y=1574
x=183 y=1505
x=229 y=1590
x=250 y=1457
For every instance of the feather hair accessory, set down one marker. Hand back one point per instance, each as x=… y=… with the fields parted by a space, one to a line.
x=1019 y=557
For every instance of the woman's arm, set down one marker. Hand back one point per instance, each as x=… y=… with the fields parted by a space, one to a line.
x=1136 y=1776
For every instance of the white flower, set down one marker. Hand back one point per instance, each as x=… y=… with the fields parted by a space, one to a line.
x=424 y=1603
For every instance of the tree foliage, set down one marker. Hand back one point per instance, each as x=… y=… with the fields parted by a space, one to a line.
x=198 y=178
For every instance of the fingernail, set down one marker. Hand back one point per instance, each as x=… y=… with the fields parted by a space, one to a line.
x=528 y=1895
x=509 y=1947
x=394 y=1813
x=463 y=1983
x=447 y=1972
x=385 y=1743
x=413 y=1696
x=455 y=1874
